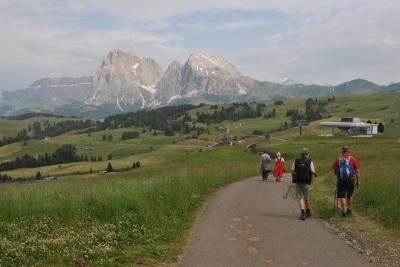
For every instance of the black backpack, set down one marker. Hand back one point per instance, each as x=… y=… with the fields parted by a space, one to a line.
x=302 y=167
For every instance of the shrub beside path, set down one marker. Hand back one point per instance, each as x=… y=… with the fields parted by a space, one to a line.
x=249 y=224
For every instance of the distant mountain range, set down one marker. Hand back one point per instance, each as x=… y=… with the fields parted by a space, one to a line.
x=125 y=82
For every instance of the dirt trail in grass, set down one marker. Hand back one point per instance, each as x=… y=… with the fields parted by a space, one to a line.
x=249 y=224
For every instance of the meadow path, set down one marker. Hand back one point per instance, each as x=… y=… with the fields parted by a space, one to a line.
x=249 y=224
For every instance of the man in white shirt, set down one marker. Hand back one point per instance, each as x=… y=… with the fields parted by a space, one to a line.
x=302 y=170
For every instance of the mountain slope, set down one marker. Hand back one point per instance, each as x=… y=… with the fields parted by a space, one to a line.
x=204 y=73
x=54 y=90
x=356 y=86
x=168 y=87
x=125 y=80
x=394 y=87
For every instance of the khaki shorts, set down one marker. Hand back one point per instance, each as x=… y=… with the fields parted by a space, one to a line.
x=303 y=191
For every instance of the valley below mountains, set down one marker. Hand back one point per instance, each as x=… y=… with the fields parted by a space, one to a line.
x=125 y=82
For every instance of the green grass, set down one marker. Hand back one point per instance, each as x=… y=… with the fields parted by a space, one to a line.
x=378 y=196
x=11 y=127
x=92 y=219
x=142 y=216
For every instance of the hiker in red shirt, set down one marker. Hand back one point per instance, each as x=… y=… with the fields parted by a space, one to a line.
x=347 y=170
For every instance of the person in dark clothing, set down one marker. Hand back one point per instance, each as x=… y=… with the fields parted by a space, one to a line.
x=265 y=165
x=303 y=170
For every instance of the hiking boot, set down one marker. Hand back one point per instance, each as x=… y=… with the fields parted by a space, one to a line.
x=349 y=212
x=308 y=213
x=344 y=214
x=303 y=215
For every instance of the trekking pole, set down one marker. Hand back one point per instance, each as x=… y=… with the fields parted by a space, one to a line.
x=287 y=192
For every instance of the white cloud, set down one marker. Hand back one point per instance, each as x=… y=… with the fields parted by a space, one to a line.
x=325 y=42
x=227 y=26
x=273 y=39
x=351 y=43
x=36 y=47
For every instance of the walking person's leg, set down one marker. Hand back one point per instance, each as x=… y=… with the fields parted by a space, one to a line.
x=265 y=175
x=343 y=206
x=307 y=200
x=302 y=203
x=349 y=199
x=342 y=196
x=349 y=204
x=308 y=209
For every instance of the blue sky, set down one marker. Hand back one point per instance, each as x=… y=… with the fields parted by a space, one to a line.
x=311 y=41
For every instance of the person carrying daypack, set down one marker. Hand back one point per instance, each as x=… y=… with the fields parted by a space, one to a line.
x=302 y=171
x=265 y=165
x=347 y=171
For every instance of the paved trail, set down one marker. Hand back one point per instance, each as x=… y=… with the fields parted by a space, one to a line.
x=249 y=224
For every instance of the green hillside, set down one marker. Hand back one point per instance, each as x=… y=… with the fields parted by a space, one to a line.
x=142 y=215
x=10 y=126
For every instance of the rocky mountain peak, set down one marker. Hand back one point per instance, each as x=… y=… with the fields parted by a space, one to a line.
x=169 y=85
x=288 y=81
x=124 y=79
x=207 y=64
x=174 y=66
x=116 y=56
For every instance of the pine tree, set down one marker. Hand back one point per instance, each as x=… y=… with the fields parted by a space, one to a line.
x=109 y=167
x=381 y=128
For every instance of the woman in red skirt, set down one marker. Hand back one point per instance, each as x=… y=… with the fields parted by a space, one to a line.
x=279 y=167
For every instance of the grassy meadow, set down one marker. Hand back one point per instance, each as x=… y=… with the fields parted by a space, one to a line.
x=11 y=127
x=94 y=219
x=142 y=216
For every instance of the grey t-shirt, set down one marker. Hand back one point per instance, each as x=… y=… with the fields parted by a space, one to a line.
x=265 y=162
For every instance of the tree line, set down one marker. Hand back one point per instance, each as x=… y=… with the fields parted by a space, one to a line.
x=166 y=119
x=64 y=154
x=235 y=112
x=39 y=130
x=314 y=110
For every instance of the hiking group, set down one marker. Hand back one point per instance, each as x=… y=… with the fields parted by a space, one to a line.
x=266 y=168
x=345 y=167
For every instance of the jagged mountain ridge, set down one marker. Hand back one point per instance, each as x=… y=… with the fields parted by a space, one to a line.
x=169 y=85
x=53 y=90
x=206 y=74
x=125 y=82
x=201 y=74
